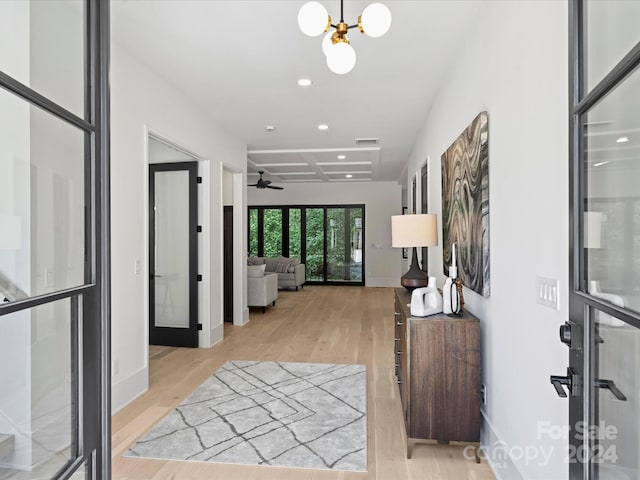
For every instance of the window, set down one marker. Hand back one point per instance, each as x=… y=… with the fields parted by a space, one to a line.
x=329 y=240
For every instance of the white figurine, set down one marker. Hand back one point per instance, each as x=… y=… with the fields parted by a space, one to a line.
x=427 y=300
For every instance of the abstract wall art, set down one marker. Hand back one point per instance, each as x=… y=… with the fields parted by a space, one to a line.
x=465 y=205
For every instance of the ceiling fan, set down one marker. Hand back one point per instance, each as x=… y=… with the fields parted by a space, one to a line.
x=264 y=183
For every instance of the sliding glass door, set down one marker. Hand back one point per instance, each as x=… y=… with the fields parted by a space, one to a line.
x=314 y=244
x=329 y=239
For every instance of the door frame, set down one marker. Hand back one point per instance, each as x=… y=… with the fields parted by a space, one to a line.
x=178 y=337
x=581 y=326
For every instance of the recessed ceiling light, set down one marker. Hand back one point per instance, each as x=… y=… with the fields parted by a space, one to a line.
x=599 y=164
x=341 y=157
x=304 y=82
x=622 y=140
x=323 y=126
x=348 y=175
x=270 y=128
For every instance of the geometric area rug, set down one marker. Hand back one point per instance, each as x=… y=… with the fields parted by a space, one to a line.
x=301 y=415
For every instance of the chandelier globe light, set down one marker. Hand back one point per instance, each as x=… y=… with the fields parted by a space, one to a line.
x=341 y=58
x=375 y=20
x=314 y=20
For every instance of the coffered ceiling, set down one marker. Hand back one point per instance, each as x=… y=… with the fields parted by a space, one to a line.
x=240 y=61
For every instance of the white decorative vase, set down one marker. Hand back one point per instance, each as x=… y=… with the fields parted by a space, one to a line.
x=426 y=300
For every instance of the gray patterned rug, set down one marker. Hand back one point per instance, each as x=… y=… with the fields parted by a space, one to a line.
x=302 y=415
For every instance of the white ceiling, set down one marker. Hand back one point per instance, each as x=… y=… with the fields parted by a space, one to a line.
x=241 y=59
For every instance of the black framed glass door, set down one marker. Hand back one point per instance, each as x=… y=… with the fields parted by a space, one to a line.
x=602 y=381
x=329 y=239
x=173 y=254
x=54 y=240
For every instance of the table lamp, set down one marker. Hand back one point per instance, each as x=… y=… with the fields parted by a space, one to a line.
x=412 y=231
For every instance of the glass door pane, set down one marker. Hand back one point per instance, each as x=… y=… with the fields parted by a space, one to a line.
x=42 y=201
x=612 y=196
x=295 y=233
x=272 y=232
x=338 y=247
x=253 y=232
x=171 y=255
x=356 y=227
x=314 y=241
x=44 y=48
x=616 y=399
x=611 y=32
x=39 y=396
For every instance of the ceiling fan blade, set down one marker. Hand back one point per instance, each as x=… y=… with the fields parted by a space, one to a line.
x=252 y=185
x=275 y=188
x=266 y=182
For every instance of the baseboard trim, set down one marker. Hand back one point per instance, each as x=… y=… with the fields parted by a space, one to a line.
x=126 y=391
x=245 y=318
x=496 y=453
x=382 y=281
x=217 y=334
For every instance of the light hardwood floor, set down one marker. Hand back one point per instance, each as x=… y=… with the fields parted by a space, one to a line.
x=323 y=324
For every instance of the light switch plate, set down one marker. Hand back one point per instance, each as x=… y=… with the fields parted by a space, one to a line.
x=547 y=292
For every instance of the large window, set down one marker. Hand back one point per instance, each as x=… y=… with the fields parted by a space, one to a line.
x=329 y=239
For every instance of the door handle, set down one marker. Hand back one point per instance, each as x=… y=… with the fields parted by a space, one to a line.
x=155 y=276
x=558 y=383
x=611 y=386
x=570 y=380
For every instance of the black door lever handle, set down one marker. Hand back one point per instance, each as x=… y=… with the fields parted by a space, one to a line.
x=571 y=380
x=611 y=386
x=558 y=382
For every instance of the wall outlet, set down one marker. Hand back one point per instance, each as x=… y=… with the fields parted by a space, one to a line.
x=483 y=394
x=136 y=267
x=547 y=292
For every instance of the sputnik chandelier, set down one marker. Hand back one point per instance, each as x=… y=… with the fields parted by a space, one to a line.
x=314 y=20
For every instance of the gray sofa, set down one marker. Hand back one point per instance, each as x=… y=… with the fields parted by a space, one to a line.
x=291 y=273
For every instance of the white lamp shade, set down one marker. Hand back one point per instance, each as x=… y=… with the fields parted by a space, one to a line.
x=341 y=58
x=414 y=230
x=313 y=19
x=376 y=20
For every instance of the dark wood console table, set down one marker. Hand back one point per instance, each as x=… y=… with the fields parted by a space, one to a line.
x=438 y=370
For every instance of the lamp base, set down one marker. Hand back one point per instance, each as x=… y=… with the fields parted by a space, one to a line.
x=415 y=277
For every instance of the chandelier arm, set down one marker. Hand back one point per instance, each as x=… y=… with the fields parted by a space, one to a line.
x=353 y=26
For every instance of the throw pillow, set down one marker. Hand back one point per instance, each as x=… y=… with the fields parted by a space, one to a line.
x=255 y=261
x=255 y=271
x=282 y=267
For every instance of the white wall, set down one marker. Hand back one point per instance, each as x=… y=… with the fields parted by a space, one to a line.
x=141 y=100
x=516 y=70
x=381 y=200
